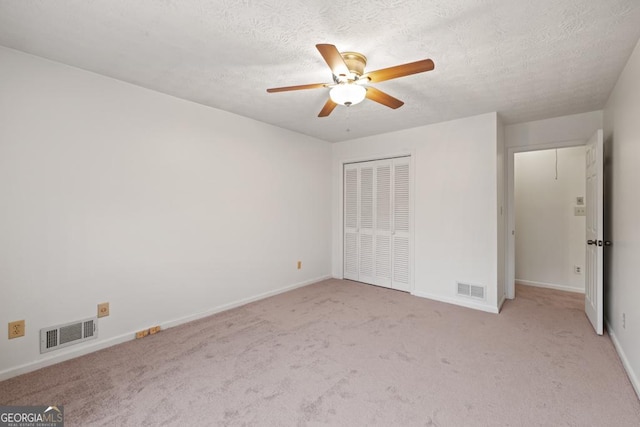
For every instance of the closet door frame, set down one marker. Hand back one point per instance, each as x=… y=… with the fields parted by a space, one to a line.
x=340 y=259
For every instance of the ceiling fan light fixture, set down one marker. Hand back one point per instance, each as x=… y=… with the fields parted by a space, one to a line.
x=349 y=79
x=348 y=94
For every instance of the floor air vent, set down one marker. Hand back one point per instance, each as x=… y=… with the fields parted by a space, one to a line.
x=471 y=291
x=68 y=334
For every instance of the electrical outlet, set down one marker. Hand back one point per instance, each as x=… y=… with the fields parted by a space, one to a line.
x=16 y=329
x=579 y=211
x=154 y=330
x=142 y=334
x=103 y=309
x=577 y=269
x=299 y=265
x=624 y=321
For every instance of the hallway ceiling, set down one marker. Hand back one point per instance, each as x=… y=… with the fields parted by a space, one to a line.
x=525 y=59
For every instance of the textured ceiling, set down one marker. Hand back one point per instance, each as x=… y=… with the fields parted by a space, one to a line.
x=526 y=59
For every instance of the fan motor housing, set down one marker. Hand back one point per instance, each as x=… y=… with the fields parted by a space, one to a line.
x=355 y=62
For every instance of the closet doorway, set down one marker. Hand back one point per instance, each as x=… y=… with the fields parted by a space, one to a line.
x=377 y=222
x=550 y=212
x=591 y=206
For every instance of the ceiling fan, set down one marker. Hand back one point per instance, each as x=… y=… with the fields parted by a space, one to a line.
x=351 y=84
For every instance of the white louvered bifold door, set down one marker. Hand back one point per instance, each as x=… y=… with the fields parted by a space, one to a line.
x=383 y=224
x=400 y=232
x=366 y=224
x=376 y=223
x=351 y=264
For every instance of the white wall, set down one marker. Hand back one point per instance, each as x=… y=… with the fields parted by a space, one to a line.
x=166 y=209
x=622 y=222
x=575 y=127
x=455 y=203
x=550 y=239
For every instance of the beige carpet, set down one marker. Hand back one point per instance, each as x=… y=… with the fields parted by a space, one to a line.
x=344 y=353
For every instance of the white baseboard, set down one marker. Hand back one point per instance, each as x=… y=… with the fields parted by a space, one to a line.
x=65 y=354
x=461 y=302
x=234 y=304
x=550 y=286
x=71 y=353
x=625 y=361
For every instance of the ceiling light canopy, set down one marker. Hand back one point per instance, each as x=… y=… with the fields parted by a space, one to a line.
x=347 y=94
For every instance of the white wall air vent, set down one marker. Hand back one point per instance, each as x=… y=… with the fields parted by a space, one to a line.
x=56 y=337
x=471 y=291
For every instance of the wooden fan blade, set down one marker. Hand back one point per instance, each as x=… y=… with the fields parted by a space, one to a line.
x=333 y=59
x=299 y=87
x=328 y=108
x=400 y=71
x=383 y=98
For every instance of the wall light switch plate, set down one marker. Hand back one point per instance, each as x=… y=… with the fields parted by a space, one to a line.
x=580 y=200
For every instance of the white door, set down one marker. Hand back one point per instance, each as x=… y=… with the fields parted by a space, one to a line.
x=593 y=304
x=383 y=224
x=376 y=223
x=400 y=231
x=351 y=264
x=366 y=236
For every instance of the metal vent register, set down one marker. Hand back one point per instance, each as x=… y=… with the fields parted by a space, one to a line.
x=472 y=291
x=60 y=336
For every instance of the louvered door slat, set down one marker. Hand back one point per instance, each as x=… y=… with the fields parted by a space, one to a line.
x=351 y=198
x=366 y=198
x=366 y=257
x=383 y=197
x=401 y=198
x=351 y=256
x=400 y=263
x=383 y=260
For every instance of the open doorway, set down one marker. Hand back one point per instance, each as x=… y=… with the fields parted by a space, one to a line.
x=510 y=232
x=593 y=232
x=550 y=206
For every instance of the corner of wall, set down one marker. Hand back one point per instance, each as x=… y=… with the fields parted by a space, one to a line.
x=501 y=210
